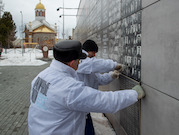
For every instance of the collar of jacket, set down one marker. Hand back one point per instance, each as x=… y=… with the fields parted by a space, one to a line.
x=59 y=66
x=85 y=52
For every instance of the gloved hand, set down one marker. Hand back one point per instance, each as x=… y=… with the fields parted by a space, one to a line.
x=140 y=91
x=120 y=67
x=115 y=74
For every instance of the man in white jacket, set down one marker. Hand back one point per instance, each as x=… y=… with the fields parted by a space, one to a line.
x=94 y=72
x=59 y=102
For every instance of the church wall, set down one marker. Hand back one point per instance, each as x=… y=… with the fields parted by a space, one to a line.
x=143 y=35
x=44 y=37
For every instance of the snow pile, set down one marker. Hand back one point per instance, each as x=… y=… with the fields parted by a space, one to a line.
x=31 y=57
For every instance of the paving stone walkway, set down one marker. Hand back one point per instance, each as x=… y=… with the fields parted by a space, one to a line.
x=15 y=86
x=14 y=97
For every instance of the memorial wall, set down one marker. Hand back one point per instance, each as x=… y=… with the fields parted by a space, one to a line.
x=116 y=27
x=143 y=35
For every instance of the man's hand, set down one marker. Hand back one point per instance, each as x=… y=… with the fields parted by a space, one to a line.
x=115 y=74
x=140 y=91
x=120 y=67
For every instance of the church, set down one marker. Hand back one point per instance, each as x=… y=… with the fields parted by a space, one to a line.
x=40 y=32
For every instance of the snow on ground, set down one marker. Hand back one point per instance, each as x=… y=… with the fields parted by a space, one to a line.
x=15 y=57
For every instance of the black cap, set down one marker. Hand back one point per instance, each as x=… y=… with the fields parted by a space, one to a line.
x=68 y=50
x=90 y=45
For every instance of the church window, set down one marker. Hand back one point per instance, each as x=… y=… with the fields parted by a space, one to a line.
x=37 y=13
x=38 y=40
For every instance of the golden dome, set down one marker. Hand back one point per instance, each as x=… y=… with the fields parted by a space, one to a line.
x=40 y=6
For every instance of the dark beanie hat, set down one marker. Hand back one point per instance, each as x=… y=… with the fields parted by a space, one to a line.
x=68 y=50
x=90 y=45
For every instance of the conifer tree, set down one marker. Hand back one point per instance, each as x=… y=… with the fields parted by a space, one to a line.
x=7 y=30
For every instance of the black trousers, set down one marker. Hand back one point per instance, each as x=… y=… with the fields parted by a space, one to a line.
x=89 y=129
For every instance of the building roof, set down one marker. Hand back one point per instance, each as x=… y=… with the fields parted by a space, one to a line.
x=39 y=6
x=38 y=24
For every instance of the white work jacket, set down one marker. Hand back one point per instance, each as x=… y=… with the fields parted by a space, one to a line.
x=92 y=71
x=59 y=102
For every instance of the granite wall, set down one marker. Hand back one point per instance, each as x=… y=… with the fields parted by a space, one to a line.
x=143 y=35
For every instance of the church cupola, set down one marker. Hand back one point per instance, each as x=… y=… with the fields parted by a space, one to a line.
x=39 y=11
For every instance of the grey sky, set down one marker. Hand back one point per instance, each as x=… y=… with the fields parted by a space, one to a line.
x=52 y=15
